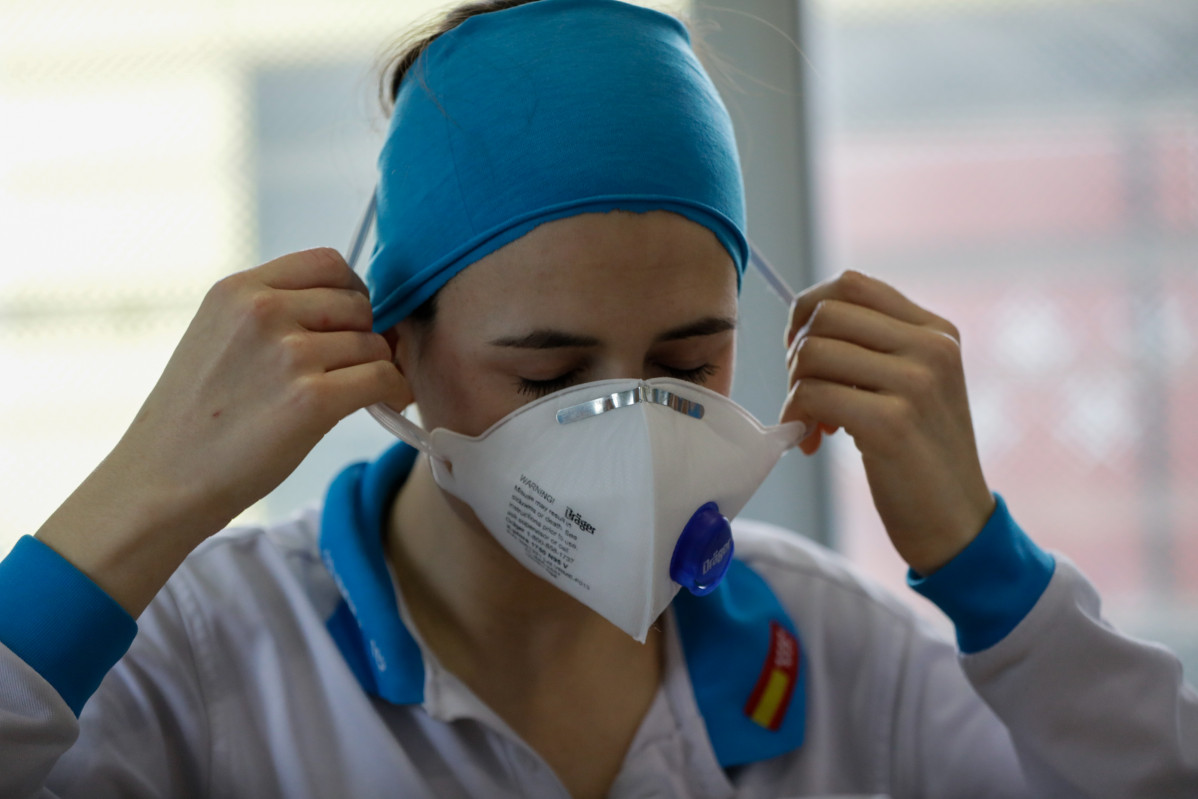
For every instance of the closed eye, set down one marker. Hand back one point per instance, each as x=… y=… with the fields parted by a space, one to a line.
x=699 y=374
x=543 y=388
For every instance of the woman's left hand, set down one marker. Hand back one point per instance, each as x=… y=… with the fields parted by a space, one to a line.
x=865 y=358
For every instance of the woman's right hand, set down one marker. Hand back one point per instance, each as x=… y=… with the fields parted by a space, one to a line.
x=275 y=356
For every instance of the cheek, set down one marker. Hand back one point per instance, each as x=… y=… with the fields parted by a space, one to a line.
x=450 y=394
x=721 y=381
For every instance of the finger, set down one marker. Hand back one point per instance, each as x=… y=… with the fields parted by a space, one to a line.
x=842 y=362
x=322 y=267
x=326 y=352
x=856 y=324
x=822 y=402
x=324 y=310
x=343 y=391
x=867 y=416
x=858 y=289
x=810 y=444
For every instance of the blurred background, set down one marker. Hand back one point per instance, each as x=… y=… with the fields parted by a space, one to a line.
x=1028 y=170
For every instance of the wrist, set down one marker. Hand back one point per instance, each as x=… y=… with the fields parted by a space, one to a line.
x=67 y=629
x=943 y=545
x=126 y=533
x=992 y=584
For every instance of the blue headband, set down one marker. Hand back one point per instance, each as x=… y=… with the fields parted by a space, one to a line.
x=538 y=112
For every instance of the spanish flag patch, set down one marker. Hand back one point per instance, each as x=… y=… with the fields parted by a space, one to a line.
x=771 y=696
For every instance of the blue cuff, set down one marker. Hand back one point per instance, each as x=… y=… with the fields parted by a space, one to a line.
x=989 y=587
x=57 y=620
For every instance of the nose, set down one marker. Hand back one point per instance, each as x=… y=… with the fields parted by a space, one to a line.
x=623 y=367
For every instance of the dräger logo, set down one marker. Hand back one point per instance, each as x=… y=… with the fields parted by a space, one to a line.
x=715 y=559
x=582 y=523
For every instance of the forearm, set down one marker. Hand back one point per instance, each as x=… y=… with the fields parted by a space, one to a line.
x=126 y=531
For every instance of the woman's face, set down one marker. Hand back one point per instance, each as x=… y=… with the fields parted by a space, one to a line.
x=590 y=297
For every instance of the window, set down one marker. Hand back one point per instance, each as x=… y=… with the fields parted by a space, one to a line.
x=148 y=151
x=1030 y=171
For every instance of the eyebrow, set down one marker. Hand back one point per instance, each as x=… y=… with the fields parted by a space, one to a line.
x=548 y=339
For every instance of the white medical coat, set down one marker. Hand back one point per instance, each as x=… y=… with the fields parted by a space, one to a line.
x=233 y=687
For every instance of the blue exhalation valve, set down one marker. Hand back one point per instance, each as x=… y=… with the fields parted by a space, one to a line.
x=703 y=551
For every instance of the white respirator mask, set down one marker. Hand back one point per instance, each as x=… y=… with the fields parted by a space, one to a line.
x=618 y=492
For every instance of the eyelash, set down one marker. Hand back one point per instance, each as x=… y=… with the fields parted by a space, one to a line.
x=542 y=388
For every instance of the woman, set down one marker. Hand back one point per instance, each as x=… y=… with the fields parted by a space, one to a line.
x=561 y=231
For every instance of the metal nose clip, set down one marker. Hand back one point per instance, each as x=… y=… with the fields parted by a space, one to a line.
x=623 y=399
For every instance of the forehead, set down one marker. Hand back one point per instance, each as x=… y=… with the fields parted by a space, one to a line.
x=591 y=271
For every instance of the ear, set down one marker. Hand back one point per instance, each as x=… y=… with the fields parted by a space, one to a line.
x=401 y=355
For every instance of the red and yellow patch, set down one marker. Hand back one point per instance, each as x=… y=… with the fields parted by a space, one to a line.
x=771 y=696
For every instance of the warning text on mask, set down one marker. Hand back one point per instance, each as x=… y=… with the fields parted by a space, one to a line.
x=548 y=537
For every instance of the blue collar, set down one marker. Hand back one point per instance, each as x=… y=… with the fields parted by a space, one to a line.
x=741 y=648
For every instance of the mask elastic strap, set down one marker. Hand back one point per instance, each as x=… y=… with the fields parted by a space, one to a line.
x=401 y=426
x=398 y=424
x=784 y=432
x=772 y=278
x=404 y=428
x=771 y=275
x=358 y=242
